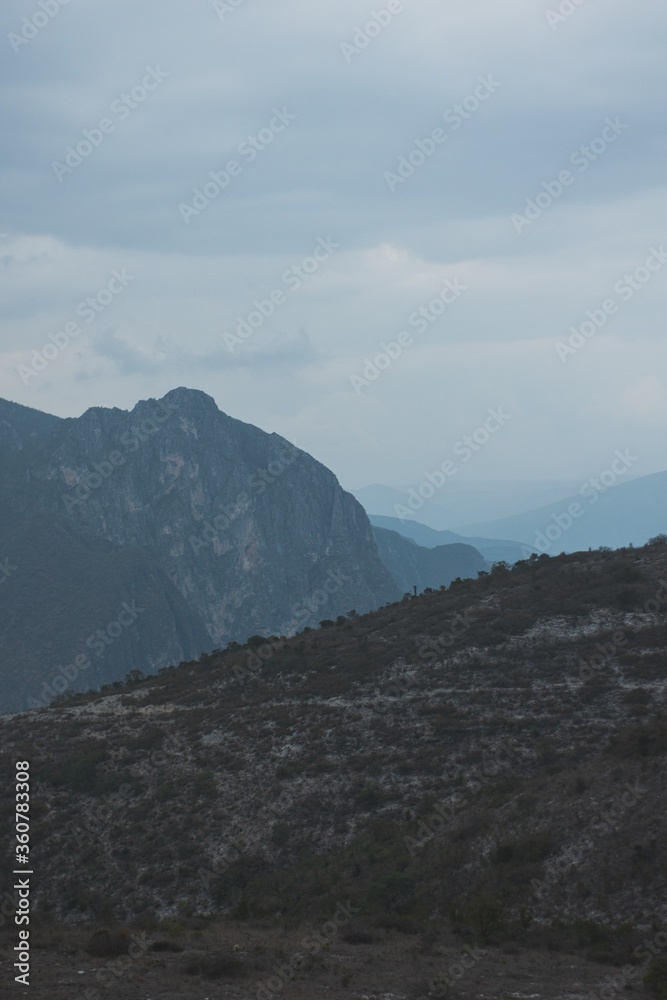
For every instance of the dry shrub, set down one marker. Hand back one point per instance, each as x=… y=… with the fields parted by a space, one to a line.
x=109 y=944
x=212 y=965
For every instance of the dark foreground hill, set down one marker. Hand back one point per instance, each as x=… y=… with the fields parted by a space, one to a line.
x=486 y=761
x=151 y=536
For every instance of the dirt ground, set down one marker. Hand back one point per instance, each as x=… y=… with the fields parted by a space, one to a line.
x=248 y=962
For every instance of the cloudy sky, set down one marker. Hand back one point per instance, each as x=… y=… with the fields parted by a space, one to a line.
x=374 y=173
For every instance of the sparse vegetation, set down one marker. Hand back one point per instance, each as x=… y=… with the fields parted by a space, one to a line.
x=433 y=762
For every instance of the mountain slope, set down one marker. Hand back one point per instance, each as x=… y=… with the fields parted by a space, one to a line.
x=21 y=426
x=78 y=613
x=491 y=757
x=493 y=549
x=413 y=565
x=238 y=531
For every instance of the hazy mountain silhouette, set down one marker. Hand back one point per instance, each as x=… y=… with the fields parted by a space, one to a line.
x=629 y=513
x=412 y=565
x=492 y=549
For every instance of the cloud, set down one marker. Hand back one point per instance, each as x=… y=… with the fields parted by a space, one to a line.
x=324 y=176
x=271 y=349
x=646 y=400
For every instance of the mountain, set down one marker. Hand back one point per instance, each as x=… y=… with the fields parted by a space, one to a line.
x=20 y=426
x=460 y=502
x=140 y=539
x=77 y=612
x=492 y=549
x=485 y=762
x=626 y=514
x=413 y=565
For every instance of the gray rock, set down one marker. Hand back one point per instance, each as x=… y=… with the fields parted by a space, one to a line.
x=215 y=528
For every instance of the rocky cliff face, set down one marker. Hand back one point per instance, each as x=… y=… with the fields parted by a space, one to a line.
x=238 y=532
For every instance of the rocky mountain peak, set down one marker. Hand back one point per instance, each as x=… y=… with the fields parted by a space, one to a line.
x=219 y=529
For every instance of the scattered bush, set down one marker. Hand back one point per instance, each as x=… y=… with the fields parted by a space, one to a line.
x=109 y=944
x=649 y=740
x=148 y=739
x=369 y=796
x=486 y=916
x=357 y=935
x=165 y=945
x=204 y=785
x=212 y=965
x=503 y=854
x=79 y=772
x=280 y=834
x=655 y=979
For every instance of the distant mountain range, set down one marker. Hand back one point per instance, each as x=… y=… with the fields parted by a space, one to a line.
x=459 y=503
x=598 y=514
x=492 y=549
x=627 y=514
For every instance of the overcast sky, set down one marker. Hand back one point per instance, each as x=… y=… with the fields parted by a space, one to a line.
x=305 y=116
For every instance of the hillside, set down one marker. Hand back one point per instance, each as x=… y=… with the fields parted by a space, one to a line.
x=490 y=757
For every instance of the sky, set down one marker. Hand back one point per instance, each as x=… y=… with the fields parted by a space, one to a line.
x=377 y=229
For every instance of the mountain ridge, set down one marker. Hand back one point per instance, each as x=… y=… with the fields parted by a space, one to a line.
x=413 y=566
x=615 y=516
x=492 y=549
x=245 y=531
